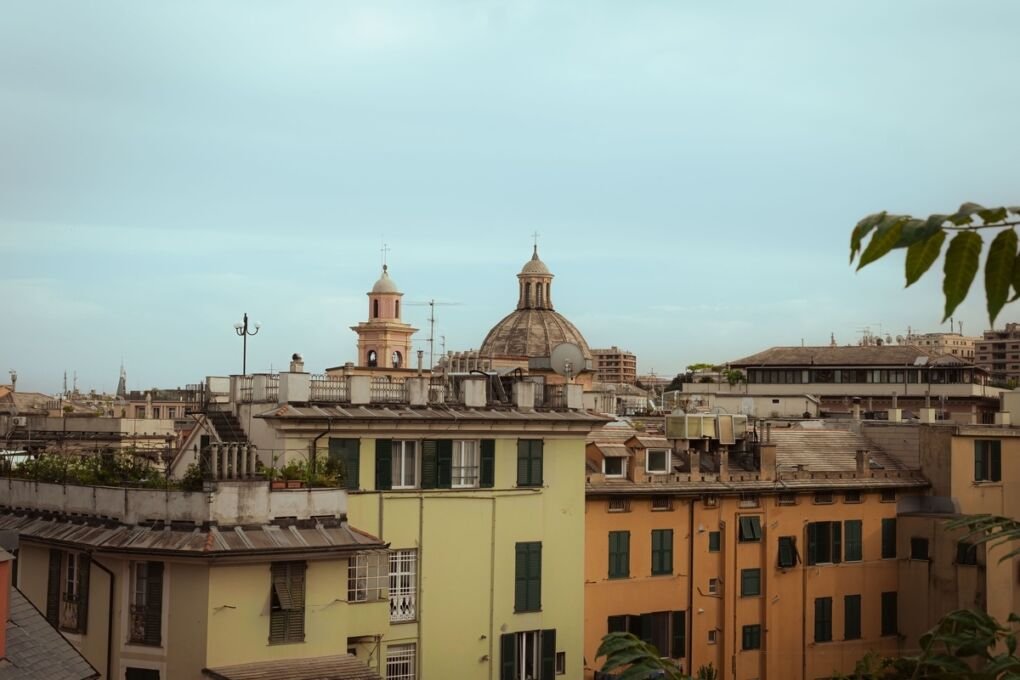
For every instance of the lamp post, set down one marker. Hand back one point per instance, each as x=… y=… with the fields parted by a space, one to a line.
x=242 y=330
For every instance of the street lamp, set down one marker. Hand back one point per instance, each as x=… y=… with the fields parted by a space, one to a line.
x=242 y=330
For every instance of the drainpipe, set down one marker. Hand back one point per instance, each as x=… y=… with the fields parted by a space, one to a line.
x=690 y=588
x=803 y=613
x=109 y=618
x=315 y=448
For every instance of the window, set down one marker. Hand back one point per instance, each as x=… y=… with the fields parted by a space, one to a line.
x=852 y=617
x=888 y=496
x=404 y=464
x=367 y=574
x=788 y=556
x=375 y=309
x=966 y=553
x=171 y=412
x=987 y=460
x=710 y=501
x=657 y=461
x=400 y=662
x=750 y=528
x=786 y=499
x=403 y=585
x=918 y=548
x=132 y=673
x=823 y=498
x=748 y=500
x=561 y=663
x=713 y=586
x=397 y=359
x=465 y=464
x=714 y=541
x=614 y=467
x=530 y=655
x=139 y=411
x=750 y=582
x=619 y=554
x=824 y=542
x=823 y=619
x=889 y=538
x=889 y=623
x=662 y=551
x=155 y=412
x=852 y=497
x=619 y=505
x=529 y=462
x=853 y=547
x=713 y=636
x=528 y=577
x=662 y=503
x=287 y=603
x=345 y=455
x=67 y=595
x=751 y=637
x=146 y=603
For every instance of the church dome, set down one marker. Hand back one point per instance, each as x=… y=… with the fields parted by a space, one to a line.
x=531 y=333
x=385 y=284
x=534 y=328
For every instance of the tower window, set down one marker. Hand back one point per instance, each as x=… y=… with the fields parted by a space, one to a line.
x=527 y=295
x=397 y=360
x=373 y=358
x=396 y=308
x=375 y=309
x=538 y=295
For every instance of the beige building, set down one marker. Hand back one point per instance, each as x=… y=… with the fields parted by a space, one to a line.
x=998 y=353
x=614 y=365
x=953 y=344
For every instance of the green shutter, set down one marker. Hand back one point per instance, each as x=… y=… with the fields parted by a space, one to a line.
x=812 y=543
x=154 y=603
x=662 y=551
x=995 y=473
x=787 y=552
x=619 y=554
x=823 y=619
x=537 y=454
x=750 y=582
x=84 y=572
x=837 y=542
x=889 y=538
x=852 y=617
x=347 y=453
x=535 y=577
x=979 y=461
x=548 y=659
x=889 y=623
x=53 y=588
x=383 y=464
x=521 y=578
x=429 y=465
x=523 y=463
x=444 y=464
x=714 y=541
x=616 y=624
x=507 y=656
x=678 y=639
x=487 y=471
x=854 y=549
x=528 y=577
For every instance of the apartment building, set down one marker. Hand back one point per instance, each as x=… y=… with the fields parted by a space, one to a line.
x=614 y=365
x=768 y=554
x=998 y=353
x=953 y=344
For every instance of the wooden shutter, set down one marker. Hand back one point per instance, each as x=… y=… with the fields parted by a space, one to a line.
x=521 y=578
x=523 y=463
x=487 y=471
x=617 y=624
x=678 y=637
x=154 y=604
x=888 y=538
x=854 y=547
x=535 y=577
x=537 y=454
x=812 y=543
x=53 y=588
x=507 y=656
x=996 y=461
x=444 y=464
x=383 y=464
x=979 y=461
x=429 y=469
x=296 y=615
x=548 y=659
x=646 y=622
x=348 y=453
x=84 y=567
x=837 y=542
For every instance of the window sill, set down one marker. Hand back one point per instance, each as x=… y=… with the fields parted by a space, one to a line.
x=618 y=578
x=278 y=643
x=987 y=482
x=403 y=621
x=527 y=611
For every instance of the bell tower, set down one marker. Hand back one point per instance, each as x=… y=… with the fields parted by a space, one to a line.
x=384 y=341
x=535 y=281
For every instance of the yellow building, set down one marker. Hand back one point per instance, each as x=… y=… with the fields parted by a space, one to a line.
x=766 y=555
x=152 y=584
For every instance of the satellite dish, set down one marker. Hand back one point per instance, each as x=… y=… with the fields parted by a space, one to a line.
x=567 y=359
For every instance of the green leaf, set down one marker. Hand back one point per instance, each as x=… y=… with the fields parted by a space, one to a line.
x=921 y=255
x=885 y=237
x=989 y=215
x=862 y=229
x=965 y=214
x=999 y=271
x=962 y=259
x=915 y=230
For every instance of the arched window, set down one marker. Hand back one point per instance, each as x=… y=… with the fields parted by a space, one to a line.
x=397 y=360
x=527 y=295
x=396 y=308
x=373 y=359
x=538 y=295
x=375 y=309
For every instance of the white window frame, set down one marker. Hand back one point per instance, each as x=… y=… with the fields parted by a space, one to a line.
x=367 y=576
x=615 y=475
x=713 y=586
x=648 y=462
x=402 y=661
x=713 y=636
x=466 y=464
x=403 y=586
x=406 y=461
x=528 y=643
x=70 y=585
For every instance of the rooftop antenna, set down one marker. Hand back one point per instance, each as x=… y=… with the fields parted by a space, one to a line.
x=960 y=324
x=14 y=380
x=432 y=304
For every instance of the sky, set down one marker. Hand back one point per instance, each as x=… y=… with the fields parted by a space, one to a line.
x=693 y=170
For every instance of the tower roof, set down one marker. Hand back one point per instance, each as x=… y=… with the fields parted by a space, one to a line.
x=535 y=266
x=385 y=284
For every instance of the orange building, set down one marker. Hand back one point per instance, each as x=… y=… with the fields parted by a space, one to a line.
x=767 y=555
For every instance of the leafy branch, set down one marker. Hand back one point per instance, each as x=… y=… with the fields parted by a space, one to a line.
x=924 y=238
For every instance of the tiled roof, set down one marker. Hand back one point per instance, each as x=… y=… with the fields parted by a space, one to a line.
x=652 y=442
x=312 y=537
x=826 y=450
x=339 y=667
x=409 y=413
x=613 y=450
x=36 y=651
x=531 y=333
x=882 y=355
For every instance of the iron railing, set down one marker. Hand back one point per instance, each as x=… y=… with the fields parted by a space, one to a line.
x=328 y=388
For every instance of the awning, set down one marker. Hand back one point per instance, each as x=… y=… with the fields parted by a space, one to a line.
x=339 y=667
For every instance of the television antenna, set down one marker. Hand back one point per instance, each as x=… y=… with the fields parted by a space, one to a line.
x=432 y=304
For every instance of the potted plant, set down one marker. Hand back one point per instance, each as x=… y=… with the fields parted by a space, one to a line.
x=294 y=473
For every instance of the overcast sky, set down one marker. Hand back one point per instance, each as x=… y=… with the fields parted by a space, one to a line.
x=694 y=170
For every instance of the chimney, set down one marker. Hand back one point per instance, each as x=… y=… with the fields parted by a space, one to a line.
x=895 y=415
x=863 y=463
x=857 y=408
x=694 y=456
x=421 y=355
x=297 y=363
x=724 y=464
x=768 y=462
x=524 y=395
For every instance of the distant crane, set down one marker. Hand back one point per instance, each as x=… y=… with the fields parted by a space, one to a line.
x=432 y=304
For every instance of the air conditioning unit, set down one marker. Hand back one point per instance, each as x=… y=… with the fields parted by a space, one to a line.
x=21 y=421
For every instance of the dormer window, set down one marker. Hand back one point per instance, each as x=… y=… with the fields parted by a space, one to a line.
x=614 y=467
x=657 y=461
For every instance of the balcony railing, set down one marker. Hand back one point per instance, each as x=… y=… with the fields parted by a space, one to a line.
x=327 y=388
x=388 y=391
x=403 y=607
